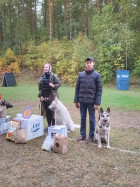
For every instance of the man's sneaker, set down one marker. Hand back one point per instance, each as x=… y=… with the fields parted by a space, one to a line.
x=81 y=139
x=89 y=140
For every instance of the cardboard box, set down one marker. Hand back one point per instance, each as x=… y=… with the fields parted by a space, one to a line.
x=57 y=129
x=34 y=125
x=4 y=127
x=8 y=118
x=4 y=124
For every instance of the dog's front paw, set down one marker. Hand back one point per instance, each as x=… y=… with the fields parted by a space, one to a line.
x=72 y=129
x=100 y=146
x=108 y=147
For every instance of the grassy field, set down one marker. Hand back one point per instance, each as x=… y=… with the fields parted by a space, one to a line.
x=116 y=99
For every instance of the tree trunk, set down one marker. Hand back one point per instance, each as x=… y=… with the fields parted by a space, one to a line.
x=45 y=12
x=100 y=6
x=50 y=19
x=35 y=22
x=70 y=21
x=53 y=19
x=87 y=19
x=57 y=19
x=97 y=4
x=0 y=40
x=10 y=16
x=65 y=11
x=3 y=28
x=20 y=46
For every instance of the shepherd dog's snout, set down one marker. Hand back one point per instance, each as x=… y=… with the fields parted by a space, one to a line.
x=105 y=120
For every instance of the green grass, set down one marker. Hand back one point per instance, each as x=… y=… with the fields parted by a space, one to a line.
x=116 y=99
x=20 y=93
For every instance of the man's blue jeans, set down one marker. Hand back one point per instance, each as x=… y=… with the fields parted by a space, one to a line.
x=83 y=112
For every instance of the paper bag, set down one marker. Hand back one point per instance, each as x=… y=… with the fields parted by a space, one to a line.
x=60 y=144
x=20 y=136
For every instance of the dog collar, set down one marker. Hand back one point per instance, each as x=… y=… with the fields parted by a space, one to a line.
x=106 y=125
x=100 y=126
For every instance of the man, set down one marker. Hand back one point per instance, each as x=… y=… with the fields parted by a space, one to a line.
x=88 y=93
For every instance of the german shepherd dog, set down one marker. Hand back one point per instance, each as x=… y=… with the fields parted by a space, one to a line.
x=103 y=132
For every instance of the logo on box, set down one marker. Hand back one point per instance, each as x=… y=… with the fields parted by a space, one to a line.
x=53 y=134
x=35 y=127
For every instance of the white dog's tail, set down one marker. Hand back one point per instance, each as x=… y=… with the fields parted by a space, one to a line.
x=76 y=126
x=73 y=127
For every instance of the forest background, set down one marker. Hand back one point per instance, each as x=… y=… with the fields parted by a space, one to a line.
x=65 y=32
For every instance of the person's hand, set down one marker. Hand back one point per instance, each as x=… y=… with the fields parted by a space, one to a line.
x=51 y=85
x=42 y=98
x=96 y=107
x=76 y=105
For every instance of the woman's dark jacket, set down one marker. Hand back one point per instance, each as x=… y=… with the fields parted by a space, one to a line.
x=52 y=92
x=88 y=88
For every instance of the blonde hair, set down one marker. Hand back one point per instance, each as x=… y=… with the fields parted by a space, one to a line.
x=50 y=67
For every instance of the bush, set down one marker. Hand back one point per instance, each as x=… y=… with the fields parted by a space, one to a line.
x=9 y=63
x=136 y=71
x=9 y=57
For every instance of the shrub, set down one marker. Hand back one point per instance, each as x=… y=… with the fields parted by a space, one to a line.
x=9 y=57
x=136 y=71
x=9 y=63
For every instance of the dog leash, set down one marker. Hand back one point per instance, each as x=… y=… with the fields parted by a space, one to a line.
x=98 y=117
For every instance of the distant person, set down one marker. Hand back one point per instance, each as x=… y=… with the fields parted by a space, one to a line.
x=88 y=93
x=48 y=86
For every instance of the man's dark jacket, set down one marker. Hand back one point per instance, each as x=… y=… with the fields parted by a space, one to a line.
x=88 y=88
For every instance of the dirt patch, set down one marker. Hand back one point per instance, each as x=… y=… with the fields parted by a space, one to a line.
x=83 y=164
x=125 y=119
x=119 y=118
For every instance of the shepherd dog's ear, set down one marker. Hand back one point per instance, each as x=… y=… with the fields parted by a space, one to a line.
x=101 y=110
x=108 y=110
x=56 y=99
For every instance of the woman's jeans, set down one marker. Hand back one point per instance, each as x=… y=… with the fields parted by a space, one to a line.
x=83 y=112
x=49 y=114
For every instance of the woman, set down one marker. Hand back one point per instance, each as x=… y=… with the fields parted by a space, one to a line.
x=48 y=85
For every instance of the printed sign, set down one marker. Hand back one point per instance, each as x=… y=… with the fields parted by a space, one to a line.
x=35 y=127
x=27 y=112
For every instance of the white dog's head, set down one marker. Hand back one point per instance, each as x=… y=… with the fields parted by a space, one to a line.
x=54 y=104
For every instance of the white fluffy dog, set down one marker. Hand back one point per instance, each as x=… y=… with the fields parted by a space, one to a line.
x=62 y=116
